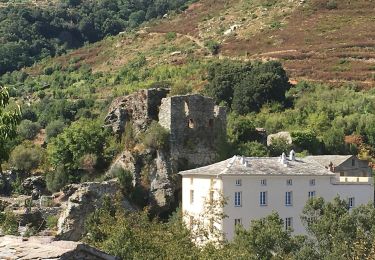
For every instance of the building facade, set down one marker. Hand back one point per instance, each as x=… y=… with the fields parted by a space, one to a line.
x=254 y=187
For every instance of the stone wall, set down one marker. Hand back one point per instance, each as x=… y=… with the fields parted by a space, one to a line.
x=196 y=126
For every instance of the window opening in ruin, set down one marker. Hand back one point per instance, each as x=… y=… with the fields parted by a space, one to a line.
x=191 y=123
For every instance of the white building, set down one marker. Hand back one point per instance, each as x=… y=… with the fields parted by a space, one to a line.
x=255 y=187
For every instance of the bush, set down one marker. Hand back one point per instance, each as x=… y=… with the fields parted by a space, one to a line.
x=331 y=4
x=279 y=146
x=28 y=130
x=156 y=137
x=212 y=46
x=52 y=222
x=9 y=223
x=57 y=179
x=125 y=179
x=26 y=157
x=54 y=128
x=170 y=36
x=252 y=149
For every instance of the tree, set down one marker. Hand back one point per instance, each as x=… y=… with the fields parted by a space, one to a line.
x=28 y=130
x=279 y=146
x=54 y=128
x=81 y=138
x=26 y=157
x=8 y=123
x=267 y=82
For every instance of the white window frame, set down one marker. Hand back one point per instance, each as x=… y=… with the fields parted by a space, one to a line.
x=238 y=182
x=289 y=198
x=289 y=182
x=263 y=182
x=263 y=198
x=288 y=223
x=312 y=182
x=351 y=202
x=237 y=222
x=311 y=194
x=238 y=199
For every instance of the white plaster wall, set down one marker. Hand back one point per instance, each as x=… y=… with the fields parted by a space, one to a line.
x=276 y=188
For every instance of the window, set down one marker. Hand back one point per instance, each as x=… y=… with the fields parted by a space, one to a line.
x=237 y=199
x=288 y=198
x=353 y=162
x=237 y=221
x=311 y=194
x=238 y=182
x=263 y=182
x=211 y=196
x=312 y=182
x=263 y=198
x=191 y=180
x=288 y=223
x=351 y=202
x=289 y=182
x=191 y=196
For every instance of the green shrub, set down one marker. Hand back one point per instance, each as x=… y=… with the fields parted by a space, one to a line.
x=252 y=149
x=57 y=179
x=156 y=136
x=279 y=146
x=125 y=179
x=331 y=4
x=170 y=36
x=9 y=223
x=212 y=46
x=28 y=130
x=54 y=128
x=26 y=157
x=51 y=222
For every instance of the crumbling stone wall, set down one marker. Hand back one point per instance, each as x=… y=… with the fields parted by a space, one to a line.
x=196 y=126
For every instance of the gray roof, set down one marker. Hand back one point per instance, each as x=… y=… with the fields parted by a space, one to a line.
x=239 y=165
x=325 y=160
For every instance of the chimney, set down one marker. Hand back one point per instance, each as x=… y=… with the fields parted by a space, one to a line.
x=292 y=155
x=283 y=159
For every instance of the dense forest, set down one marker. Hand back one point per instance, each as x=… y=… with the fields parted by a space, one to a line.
x=30 y=33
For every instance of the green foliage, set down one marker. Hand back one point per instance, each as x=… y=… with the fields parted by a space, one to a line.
x=252 y=149
x=81 y=138
x=33 y=32
x=241 y=129
x=156 y=136
x=212 y=46
x=28 y=130
x=170 y=36
x=26 y=157
x=8 y=123
x=54 y=128
x=57 y=179
x=279 y=146
x=331 y=4
x=305 y=140
x=125 y=179
x=51 y=222
x=9 y=223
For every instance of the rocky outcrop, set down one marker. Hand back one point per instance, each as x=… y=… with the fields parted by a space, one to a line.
x=84 y=199
x=196 y=126
x=12 y=247
x=280 y=135
x=34 y=186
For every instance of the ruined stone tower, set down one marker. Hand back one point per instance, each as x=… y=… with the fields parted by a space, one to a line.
x=196 y=126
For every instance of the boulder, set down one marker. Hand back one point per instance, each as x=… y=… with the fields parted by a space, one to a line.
x=34 y=186
x=86 y=198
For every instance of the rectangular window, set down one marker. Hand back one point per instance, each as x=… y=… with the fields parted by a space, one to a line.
x=263 y=182
x=289 y=182
x=237 y=221
x=191 y=196
x=238 y=182
x=353 y=162
x=311 y=194
x=288 y=223
x=263 y=198
x=288 y=198
x=237 y=199
x=351 y=202
x=312 y=182
x=191 y=180
x=211 y=196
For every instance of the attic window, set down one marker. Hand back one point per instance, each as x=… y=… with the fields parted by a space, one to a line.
x=210 y=122
x=191 y=123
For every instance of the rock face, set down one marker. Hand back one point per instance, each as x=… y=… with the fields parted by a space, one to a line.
x=12 y=247
x=83 y=200
x=34 y=186
x=196 y=129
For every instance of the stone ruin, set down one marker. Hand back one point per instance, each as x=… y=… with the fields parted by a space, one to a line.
x=196 y=126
